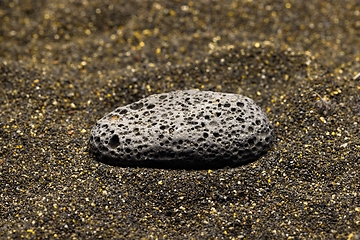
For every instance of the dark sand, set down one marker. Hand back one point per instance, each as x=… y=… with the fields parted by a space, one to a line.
x=64 y=64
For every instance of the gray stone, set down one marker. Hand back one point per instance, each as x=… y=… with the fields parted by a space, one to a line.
x=187 y=127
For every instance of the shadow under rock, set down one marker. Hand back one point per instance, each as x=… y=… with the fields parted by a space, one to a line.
x=189 y=164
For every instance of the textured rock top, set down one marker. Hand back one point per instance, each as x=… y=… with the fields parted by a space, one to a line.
x=186 y=127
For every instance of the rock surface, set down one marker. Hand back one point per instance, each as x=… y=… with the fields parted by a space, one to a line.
x=183 y=127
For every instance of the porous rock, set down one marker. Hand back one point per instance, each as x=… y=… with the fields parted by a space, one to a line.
x=188 y=127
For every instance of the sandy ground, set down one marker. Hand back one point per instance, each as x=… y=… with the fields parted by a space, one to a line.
x=65 y=64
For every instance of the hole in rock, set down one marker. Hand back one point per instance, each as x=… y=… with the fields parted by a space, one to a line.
x=103 y=149
x=114 y=141
x=150 y=106
x=124 y=111
x=136 y=106
x=251 y=141
x=216 y=134
x=240 y=104
x=240 y=119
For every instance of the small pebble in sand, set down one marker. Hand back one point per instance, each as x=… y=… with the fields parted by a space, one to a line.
x=183 y=126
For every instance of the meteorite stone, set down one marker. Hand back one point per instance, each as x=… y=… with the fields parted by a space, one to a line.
x=188 y=126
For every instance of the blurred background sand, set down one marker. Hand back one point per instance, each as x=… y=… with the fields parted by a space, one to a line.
x=64 y=64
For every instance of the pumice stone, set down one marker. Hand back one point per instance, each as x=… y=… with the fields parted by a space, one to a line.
x=183 y=128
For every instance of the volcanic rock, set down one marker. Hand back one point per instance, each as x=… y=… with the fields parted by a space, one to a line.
x=188 y=127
